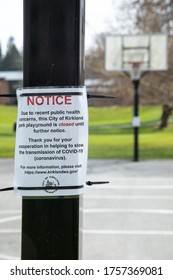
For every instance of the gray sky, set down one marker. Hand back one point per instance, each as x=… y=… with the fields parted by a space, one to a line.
x=99 y=15
x=11 y=22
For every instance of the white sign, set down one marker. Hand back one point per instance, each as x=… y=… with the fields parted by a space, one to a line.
x=51 y=141
x=136 y=121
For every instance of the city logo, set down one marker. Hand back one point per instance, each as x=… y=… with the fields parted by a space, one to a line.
x=50 y=184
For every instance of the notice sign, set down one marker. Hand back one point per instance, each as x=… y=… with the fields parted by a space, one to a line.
x=51 y=141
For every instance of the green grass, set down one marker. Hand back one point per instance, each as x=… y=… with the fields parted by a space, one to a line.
x=110 y=133
x=158 y=146
x=7 y=135
x=112 y=136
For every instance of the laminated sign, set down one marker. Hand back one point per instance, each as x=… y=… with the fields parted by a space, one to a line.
x=51 y=141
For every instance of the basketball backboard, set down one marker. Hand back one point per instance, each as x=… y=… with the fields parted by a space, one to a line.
x=150 y=51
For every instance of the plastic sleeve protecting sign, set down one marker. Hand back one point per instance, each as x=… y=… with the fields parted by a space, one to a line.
x=51 y=141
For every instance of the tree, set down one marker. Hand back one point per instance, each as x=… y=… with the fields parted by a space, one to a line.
x=155 y=16
x=167 y=111
x=13 y=59
x=95 y=59
x=0 y=56
x=148 y=15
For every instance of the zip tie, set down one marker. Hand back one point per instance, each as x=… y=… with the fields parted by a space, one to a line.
x=8 y=95
x=89 y=95
x=89 y=183
x=6 y=189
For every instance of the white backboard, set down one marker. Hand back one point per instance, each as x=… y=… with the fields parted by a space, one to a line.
x=149 y=50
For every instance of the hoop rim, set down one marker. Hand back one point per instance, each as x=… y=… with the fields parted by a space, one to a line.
x=135 y=64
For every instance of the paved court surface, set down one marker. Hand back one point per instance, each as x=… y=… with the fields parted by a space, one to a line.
x=131 y=218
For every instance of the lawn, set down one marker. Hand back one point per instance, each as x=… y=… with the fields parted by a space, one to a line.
x=7 y=135
x=110 y=133
x=112 y=136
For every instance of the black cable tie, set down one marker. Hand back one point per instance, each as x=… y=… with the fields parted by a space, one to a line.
x=8 y=95
x=89 y=95
x=6 y=189
x=89 y=183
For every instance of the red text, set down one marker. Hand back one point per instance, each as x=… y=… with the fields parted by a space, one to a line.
x=49 y=100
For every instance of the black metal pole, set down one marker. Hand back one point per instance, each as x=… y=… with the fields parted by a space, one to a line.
x=53 y=56
x=136 y=116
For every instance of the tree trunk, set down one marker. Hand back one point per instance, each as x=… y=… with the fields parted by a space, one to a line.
x=167 y=111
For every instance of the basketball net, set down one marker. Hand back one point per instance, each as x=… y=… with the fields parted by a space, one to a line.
x=135 y=70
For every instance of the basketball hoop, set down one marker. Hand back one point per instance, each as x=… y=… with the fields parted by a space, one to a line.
x=135 y=70
x=136 y=54
x=150 y=49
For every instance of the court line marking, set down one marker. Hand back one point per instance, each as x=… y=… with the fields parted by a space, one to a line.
x=11 y=231
x=126 y=232
x=7 y=212
x=128 y=210
x=10 y=219
x=148 y=197
x=136 y=187
x=7 y=257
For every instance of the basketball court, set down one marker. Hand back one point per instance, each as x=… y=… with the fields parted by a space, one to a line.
x=130 y=218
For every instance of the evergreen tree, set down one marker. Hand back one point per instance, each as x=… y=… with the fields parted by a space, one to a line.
x=0 y=56
x=13 y=59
